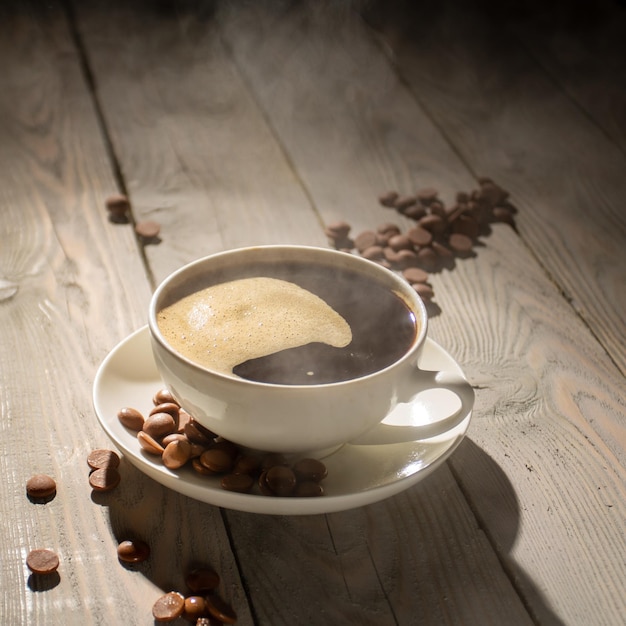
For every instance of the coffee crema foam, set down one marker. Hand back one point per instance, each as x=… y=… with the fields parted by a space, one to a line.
x=227 y=324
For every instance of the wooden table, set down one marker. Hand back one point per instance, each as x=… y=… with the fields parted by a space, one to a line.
x=261 y=123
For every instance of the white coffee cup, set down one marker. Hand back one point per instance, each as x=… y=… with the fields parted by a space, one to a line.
x=309 y=419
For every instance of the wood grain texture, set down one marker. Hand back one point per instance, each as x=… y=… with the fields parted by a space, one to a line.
x=80 y=288
x=509 y=120
x=196 y=153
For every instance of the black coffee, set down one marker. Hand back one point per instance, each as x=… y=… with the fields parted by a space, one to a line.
x=383 y=329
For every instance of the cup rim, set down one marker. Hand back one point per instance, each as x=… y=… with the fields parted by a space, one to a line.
x=415 y=300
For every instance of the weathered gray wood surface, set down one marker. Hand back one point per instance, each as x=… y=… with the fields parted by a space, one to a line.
x=259 y=123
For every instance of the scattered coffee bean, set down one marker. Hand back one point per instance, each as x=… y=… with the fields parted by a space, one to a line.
x=310 y=470
x=118 y=207
x=241 y=483
x=147 y=231
x=131 y=418
x=168 y=607
x=441 y=233
x=133 y=551
x=42 y=561
x=217 y=460
x=176 y=454
x=195 y=608
x=415 y=275
x=280 y=480
x=41 y=487
x=308 y=489
x=104 y=479
x=424 y=291
x=101 y=459
x=159 y=424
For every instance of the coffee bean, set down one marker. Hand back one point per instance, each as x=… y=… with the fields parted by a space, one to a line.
x=366 y=239
x=118 y=207
x=168 y=607
x=460 y=243
x=158 y=425
x=466 y=225
x=424 y=291
x=99 y=459
x=149 y=444
x=434 y=224
x=131 y=418
x=41 y=487
x=42 y=561
x=420 y=236
x=247 y=464
x=388 y=199
x=310 y=469
x=402 y=203
x=427 y=195
x=104 y=479
x=195 y=607
x=197 y=433
x=373 y=253
x=147 y=230
x=220 y=610
x=281 y=480
x=427 y=258
x=415 y=212
x=166 y=407
x=406 y=258
x=502 y=214
x=388 y=229
x=133 y=551
x=400 y=242
x=202 y=580
x=217 y=460
x=163 y=396
x=176 y=454
x=415 y=275
x=241 y=483
x=337 y=230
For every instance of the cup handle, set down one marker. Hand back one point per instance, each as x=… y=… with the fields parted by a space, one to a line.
x=382 y=434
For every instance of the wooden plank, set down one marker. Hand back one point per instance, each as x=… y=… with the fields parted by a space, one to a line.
x=79 y=288
x=533 y=386
x=507 y=119
x=583 y=48
x=196 y=152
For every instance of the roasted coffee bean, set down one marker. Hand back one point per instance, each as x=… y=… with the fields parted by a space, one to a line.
x=133 y=551
x=183 y=419
x=387 y=229
x=402 y=203
x=338 y=230
x=195 y=607
x=466 y=225
x=436 y=207
x=424 y=291
x=308 y=489
x=443 y=252
x=168 y=607
x=118 y=207
x=104 y=479
x=247 y=464
x=366 y=239
x=388 y=199
x=163 y=396
x=427 y=258
x=174 y=437
x=41 y=487
x=176 y=454
x=434 y=224
x=415 y=275
x=400 y=242
x=42 y=561
x=147 y=230
x=217 y=460
x=197 y=433
x=202 y=580
x=281 y=480
x=460 y=243
x=263 y=486
x=149 y=444
x=227 y=446
x=427 y=195
x=502 y=214
x=102 y=458
x=241 y=483
x=158 y=425
x=373 y=253
x=415 y=212
x=199 y=468
x=131 y=418
x=406 y=258
x=167 y=407
x=419 y=236
x=271 y=459
x=220 y=610
x=310 y=469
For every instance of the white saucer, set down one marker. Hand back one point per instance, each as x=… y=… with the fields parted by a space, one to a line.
x=357 y=474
